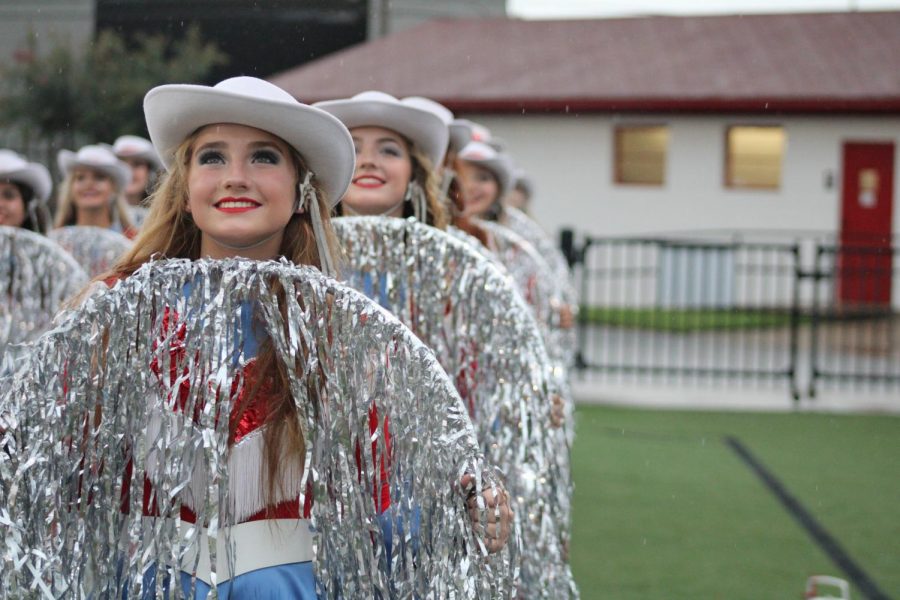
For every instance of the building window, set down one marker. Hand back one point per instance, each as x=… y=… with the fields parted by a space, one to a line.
x=641 y=154
x=753 y=157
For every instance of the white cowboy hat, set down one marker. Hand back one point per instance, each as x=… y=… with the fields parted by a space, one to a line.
x=497 y=143
x=460 y=133
x=499 y=164
x=99 y=158
x=173 y=112
x=132 y=146
x=436 y=108
x=377 y=109
x=16 y=169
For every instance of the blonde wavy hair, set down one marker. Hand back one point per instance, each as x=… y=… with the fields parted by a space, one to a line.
x=425 y=175
x=170 y=232
x=67 y=212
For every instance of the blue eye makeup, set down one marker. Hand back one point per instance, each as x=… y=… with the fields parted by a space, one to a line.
x=10 y=194
x=210 y=157
x=270 y=157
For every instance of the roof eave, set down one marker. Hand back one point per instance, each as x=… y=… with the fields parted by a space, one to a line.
x=761 y=105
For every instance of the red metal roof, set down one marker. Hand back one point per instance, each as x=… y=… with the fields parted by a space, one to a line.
x=832 y=62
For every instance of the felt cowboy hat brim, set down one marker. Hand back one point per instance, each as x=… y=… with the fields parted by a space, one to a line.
x=137 y=148
x=376 y=109
x=461 y=131
x=16 y=169
x=97 y=158
x=174 y=112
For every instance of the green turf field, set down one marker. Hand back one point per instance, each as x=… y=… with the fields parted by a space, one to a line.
x=685 y=319
x=664 y=509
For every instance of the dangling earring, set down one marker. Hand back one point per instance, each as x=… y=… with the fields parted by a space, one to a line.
x=416 y=196
x=309 y=200
x=301 y=193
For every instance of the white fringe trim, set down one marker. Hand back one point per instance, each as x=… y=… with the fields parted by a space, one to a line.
x=248 y=476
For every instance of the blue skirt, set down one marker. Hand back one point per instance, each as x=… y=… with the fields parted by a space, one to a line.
x=281 y=582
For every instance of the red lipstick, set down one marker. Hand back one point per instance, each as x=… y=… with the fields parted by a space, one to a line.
x=368 y=181
x=236 y=205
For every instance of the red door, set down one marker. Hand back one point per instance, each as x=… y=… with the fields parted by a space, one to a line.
x=864 y=260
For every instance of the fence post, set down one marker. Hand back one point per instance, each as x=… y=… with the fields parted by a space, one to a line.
x=814 y=322
x=795 y=324
x=581 y=256
x=567 y=245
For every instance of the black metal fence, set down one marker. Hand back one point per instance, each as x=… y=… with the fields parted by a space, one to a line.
x=805 y=315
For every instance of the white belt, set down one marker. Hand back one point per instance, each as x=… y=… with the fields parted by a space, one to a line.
x=255 y=544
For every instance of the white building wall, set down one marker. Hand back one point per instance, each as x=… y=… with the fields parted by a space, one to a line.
x=570 y=159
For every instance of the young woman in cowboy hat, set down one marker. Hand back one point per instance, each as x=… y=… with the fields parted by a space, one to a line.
x=139 y=154
x=92 y=192
x=236 y=188
x=398 y=146
x=24 y=190
x=486 y=176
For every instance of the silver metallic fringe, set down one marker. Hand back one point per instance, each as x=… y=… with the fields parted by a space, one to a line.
x=484 y=335
x=525 y=226
x=96 y=249
x=538 y=283
x=77 y=413
x=521 y=264
x=36 y=276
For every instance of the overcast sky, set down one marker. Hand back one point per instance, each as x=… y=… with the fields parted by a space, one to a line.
x=548 y=9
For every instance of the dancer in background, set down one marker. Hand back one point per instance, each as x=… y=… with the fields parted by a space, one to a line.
x=397 y=147
x=458 y=304
x=92 y=192
x=139 y=154
x=24 y=190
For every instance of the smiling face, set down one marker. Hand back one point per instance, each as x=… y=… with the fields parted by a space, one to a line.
x=383 y=171
x=242 y=190
x=480 y=189
x=91 y=190
x=12 y=205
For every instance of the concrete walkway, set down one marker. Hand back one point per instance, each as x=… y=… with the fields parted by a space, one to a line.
x=728 y=396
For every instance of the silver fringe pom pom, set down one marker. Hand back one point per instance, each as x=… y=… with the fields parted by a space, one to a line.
x=96 y=249
x=36 y=276
x=136 y=382
x=485 y=337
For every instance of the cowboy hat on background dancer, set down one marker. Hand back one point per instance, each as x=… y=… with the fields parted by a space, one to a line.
x=139 y=154
x=24 y=190
x=236 y=189
x=92 y=192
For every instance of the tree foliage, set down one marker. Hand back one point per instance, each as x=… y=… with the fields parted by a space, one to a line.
x=65 y=97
